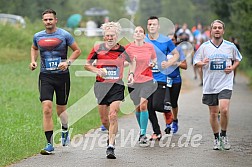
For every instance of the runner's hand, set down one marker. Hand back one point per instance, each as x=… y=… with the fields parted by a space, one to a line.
x=33 y=65
x=101 y=72
x=63 y=66
x=130 y=79
x=164 y=64
x=228 y=69
x=152 y=64
x=205 y=61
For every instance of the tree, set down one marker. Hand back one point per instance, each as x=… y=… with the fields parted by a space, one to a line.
x=179 y=11
x=241 y=20
x=148 y=8
x=222 y=9
x=203 y=12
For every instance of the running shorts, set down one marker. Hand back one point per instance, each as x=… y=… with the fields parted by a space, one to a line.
x=60 y=83
x=141 y=90
x=106 y=93
x=213 y=99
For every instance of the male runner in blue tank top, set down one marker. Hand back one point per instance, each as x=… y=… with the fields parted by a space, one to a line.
x=163 y=46
x=53 y=45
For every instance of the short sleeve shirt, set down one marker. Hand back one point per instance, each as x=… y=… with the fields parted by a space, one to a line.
x=163 y=46
x=53 y=49
x=214 y=78
x=112 y=60
x=144 y=55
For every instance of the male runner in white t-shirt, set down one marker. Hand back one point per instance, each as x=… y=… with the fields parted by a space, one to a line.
x=215 y=57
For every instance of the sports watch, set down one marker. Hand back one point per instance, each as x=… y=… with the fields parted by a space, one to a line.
x=69 y=63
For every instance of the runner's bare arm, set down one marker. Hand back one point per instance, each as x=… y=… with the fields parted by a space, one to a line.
x=171 y=61
x=34 y=55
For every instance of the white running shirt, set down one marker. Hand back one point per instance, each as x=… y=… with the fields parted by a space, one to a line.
x=214 y=78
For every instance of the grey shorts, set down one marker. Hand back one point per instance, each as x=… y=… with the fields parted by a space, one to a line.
x=143 y=90
x=213 y=99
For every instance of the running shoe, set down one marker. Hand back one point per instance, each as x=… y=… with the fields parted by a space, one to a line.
x=217 y=145
x=174 y=127
x=224 y=143
x=65 y=140
x=168 y=129
x=156 y=137
x=143 y=141
x=110 y=153
x=103 y=128
x=47 y=150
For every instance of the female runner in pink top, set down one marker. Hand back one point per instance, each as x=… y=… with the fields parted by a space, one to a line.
x=144 y=85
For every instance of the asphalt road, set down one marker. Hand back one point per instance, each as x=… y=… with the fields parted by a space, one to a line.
x=191 y=146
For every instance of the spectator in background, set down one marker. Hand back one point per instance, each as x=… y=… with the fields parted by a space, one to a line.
x=185 y=34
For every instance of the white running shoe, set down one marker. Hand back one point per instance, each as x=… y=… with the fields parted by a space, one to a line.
x=224 y=143
x=216 y=144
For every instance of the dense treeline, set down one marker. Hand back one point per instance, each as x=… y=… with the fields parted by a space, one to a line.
x=236 y=14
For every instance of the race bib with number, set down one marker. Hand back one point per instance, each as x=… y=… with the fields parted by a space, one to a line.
x=52 y=63
x=169 y=82
x=112 y=73
x=217 y=65
x=155 y=69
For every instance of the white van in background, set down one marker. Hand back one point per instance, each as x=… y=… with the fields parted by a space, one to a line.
x=11 y=19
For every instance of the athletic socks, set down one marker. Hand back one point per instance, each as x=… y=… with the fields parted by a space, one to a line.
x=175 y=120
x=223 y=133
x=64 y=127
x=138 y=117
x=144 y=116
x=216 y=135
x=48 y=135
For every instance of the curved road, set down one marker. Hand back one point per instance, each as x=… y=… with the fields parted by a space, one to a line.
x=191 y=146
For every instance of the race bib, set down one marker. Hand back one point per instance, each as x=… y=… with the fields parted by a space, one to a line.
x=112 y=73
x=155 y=69
x=217 y=65
x=169 y=82
x=52 y=63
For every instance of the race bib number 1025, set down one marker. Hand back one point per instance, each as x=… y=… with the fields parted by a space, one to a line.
x=112 y=73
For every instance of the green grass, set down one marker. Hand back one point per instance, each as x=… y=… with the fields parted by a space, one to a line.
x=21 y=132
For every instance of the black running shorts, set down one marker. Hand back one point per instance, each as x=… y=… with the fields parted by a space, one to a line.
x=60 y=83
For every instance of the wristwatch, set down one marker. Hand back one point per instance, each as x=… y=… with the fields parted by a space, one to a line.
x=69 y=63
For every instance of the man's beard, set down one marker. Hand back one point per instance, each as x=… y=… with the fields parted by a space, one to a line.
x=217 y=37
x=49 y=27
